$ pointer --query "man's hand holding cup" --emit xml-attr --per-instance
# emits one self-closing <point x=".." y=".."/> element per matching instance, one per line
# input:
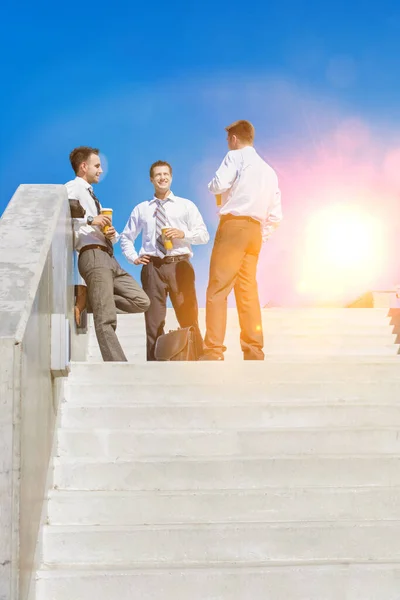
<point x="171" y="233"/>
<point x="101" y="221"/>
<point x="110" y="232"/>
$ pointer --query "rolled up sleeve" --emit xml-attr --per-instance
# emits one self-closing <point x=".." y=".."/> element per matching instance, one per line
<point x="196" y="232"/>
<point x="129" y="235"/>
<point x="225" y="176"/>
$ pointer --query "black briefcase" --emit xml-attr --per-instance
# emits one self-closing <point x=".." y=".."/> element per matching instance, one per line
<point x="176" y="345"/>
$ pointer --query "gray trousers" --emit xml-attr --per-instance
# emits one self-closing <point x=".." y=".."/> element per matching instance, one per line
<point x="109" y="288"/>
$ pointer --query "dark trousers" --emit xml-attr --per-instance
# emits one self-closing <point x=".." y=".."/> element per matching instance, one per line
<point x="234" y="265"/>
<point x="109" y="288"/>
<point x="177" y="279"/>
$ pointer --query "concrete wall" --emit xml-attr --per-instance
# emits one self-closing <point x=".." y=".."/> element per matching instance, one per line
<point x="36" y="280"/>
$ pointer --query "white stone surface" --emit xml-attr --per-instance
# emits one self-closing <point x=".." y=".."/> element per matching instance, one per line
<point x="275" y="370"/>
<point x="226" y="473"/>
<point x="360" y="387"/>
<point x="35" y="280"/>
<point x="363" y="503"/>
<point x="274" y="480"/>
<point x="298" y="582"/>
<point x="222" y="544"/>
<point x="131" y="444"/>
<point x="287" y="332"/>
<point x="263" y="411"/>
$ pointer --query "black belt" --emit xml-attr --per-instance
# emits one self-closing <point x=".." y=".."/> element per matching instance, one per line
<point x="168" y="259"/>
<point x="95" y="247"/>
<point x="242" y="217"/>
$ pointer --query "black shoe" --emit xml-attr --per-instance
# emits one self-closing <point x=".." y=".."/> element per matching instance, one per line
<point x="211" y="357"/>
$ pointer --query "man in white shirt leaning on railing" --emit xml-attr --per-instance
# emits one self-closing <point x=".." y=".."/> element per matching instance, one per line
<point x="170" y="225"/>
<point x="109" y="287"/>
<point x="246" y="188"/>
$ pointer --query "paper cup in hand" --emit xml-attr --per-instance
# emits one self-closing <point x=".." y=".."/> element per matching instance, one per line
<point x="168" y="245"/>
<point x="107" y="212"/>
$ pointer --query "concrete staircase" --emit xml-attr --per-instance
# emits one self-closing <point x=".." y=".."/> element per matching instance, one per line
<point x="274" y="480"/>
<point x="287" y="332"/>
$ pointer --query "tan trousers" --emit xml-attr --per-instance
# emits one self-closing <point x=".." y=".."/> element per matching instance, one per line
<point x="234" y="265"/>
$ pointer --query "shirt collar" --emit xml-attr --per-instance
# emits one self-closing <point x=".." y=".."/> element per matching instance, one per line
<point x="251" y="148"/>
<point x="170" y="196"/>
<point x="84" y="182"/>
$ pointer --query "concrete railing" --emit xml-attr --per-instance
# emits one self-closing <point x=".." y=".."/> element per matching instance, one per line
<point x="36" y="305"/>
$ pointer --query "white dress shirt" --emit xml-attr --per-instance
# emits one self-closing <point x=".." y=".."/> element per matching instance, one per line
<point x="249" y="187"/>
<point x="181" y="214"/>
<point x="84" y="234"/>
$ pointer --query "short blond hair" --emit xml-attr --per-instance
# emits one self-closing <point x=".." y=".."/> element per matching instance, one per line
<point x="243" y="130"/>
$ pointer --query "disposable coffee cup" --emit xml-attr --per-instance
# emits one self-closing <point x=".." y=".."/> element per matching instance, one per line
<point x="107" y="212"/>
<point x="168" y="245"/>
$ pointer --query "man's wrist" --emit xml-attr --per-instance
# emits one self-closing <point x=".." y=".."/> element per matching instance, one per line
<point x="89" y="220"/>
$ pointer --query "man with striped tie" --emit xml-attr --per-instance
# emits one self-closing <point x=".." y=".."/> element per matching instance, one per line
<point x="169" y="226"/>
<point x="109" y="288"/>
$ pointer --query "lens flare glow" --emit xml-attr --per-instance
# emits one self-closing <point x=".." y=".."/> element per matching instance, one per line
<point x="344" y="252"/>
<point x="104" y="166"/>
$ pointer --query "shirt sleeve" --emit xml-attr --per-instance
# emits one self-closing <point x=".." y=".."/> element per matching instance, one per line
<point x="274" y="216"/>
<point x="225" y="176"/>
<point x="195" y="230"/>
<point x="129" y="235"/>
<point x="74" y="194"/>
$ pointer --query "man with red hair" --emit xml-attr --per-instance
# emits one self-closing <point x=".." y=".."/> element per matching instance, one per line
<point x="250" y="210"/>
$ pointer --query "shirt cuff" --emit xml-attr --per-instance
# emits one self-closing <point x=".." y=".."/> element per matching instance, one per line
<point x="131" y="257"/>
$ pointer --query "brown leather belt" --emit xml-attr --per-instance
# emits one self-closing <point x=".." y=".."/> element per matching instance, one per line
<point x="95" y="247"/>
<point x="168" y="259"/>
<point x="242" y="217"/>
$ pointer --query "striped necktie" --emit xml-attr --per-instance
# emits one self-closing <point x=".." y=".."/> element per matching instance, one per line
<point x="161" y="221"/>
<point x="98" y="208"/>
<point x="96" y="200"/>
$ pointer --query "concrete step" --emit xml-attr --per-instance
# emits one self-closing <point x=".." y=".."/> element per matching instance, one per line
<point x="125" y="444"/>
<point x="289" y="346"/>
<point x="234" y="354"/>
<point x="205" y="544"/>
<point x="226" y="473"/>
<point x="137" y="356"/>
<point x="272" y="340"/>
<point x="164" y="396"/>
<point x="127" y="328"/>
<point x="275" y="330"/>
<point x="327" y="369"/>
<point x="296" y="582"/>
<point x="380" y="315"/>
<point x="219" y="506"/>
<point x="275" y="415"/>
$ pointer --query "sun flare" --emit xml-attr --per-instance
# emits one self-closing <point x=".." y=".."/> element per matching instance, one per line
<point x="344" y="250"/>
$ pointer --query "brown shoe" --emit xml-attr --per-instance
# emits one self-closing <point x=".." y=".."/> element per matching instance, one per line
<point x="80" y="303"/>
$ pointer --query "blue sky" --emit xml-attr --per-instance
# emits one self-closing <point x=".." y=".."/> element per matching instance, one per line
<point x="157" y="80"/>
